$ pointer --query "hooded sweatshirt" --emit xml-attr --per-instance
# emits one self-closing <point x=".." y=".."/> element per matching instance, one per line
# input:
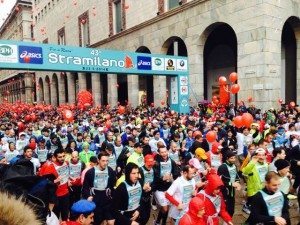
<point x="191" y="218"/>
<point x="214" y="205"/>
<point x="121" y="198"/>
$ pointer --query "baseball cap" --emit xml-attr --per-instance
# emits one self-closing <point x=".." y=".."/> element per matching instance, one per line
<point x="260" y="151"/>
<point x="83" y="207"/>
<point x="195" y="163"/>
<point x="200" y="152"/>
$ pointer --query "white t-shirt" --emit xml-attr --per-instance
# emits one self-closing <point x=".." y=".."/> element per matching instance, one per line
<point x="182" y="191"/>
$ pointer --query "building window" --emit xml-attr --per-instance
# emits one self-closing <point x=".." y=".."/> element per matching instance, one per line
<point x="173" y="4"/>
<point x="118" y="16"/>
<point x="61" y="36"/>
<point x="84" y="32"/>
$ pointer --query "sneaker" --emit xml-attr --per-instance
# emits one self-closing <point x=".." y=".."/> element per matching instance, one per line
<point x="246" y="209"/>
<point x="291" y="197"/>
<point x="154" y="207"/>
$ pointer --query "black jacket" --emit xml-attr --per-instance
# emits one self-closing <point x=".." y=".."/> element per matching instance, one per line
<point x="100" y="197"/>
<point x="259" y="211"/>
<point x="198" y="144"/>
<point x="120" y="203"/>
<point x="161" y="185"/>
<point x="227" y="189"/>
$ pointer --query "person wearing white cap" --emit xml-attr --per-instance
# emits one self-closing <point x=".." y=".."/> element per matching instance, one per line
<point x="99" y="138"/>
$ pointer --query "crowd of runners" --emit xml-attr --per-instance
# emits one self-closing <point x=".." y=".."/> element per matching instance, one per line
<point x="112" y="166"/>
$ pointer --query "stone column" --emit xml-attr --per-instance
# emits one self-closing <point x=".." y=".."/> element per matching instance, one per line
<point x="47" y="92"/>
<point x="112" y="95"/>
<point x="22" y="90"/>
<point x="61" y="90"/>
<point x="53" y="94"/>
<point x="297" y="34"/>
<point x="160" y="90"/>
<point x="82" y="81"/>
<point x="96" y="83"/>
<point x="133" y="90"/>
<point x="28" y="87"/>
<point x="71" y="88"/>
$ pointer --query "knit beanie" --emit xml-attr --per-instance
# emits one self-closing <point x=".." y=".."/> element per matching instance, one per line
<point x="281" y="164"/>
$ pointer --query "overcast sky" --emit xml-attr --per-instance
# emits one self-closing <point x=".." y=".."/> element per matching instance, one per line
<point x="5" y="8"/>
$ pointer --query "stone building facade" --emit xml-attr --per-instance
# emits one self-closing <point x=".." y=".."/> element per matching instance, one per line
<point x="259" y="39"/>
<point x="16" y="85"/>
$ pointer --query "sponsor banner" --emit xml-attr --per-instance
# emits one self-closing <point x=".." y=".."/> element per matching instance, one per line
<point x="181" y="65"/>
<point x="184" y="90"/>
<point x="144" y="63"/>
<point x="183" y="80"/>
<point x="158" y="63"/>
<point x="170" y="64"/>
<point x="48" y="57"/>
<point x="174" y="90"/>
<point x="35" y="54"/>
<point x="8" y="53"/>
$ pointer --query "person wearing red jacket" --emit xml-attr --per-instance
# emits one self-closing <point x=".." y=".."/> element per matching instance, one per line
<point x="213" y="200"/>
<point x="215" y="156"/>
<point x="194" y="216"/>
<point x="60" y="169"/>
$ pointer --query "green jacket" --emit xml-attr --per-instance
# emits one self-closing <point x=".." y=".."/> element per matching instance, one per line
<point x="255" y="179"/>
<point x="85" y="156"/>
<point x="136" y="158"/>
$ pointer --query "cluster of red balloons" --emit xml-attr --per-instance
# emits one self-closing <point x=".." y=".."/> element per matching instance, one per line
<point x="244" y="120"/>
<point x="84" y="99"/>
<point x="235" y="88"/>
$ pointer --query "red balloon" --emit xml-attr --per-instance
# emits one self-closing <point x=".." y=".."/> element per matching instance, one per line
<point x="21" y="126"/>
<point x="32" y="145"/>
<point x="27" y="118"/>
<point x="33" y="117"/>
<point x="238" y="121"/>
<point x="222" y="80"/>
<point x="247" y="119"/>
<point x="233" y="77"/>
<point x="280" y="101"/>
<point x="250" y="99"/>
<point x="27" y="59"/>
<point x="216" y="101"/>
<point x="68" y="115"/>
<point x="108" y="124"/>
<point x="235" y="88"/>
<point x="211" y="136"/>
<point x="292" y="104"/>
<point x="197" y="132"/>
<point x="121" y="110"/>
